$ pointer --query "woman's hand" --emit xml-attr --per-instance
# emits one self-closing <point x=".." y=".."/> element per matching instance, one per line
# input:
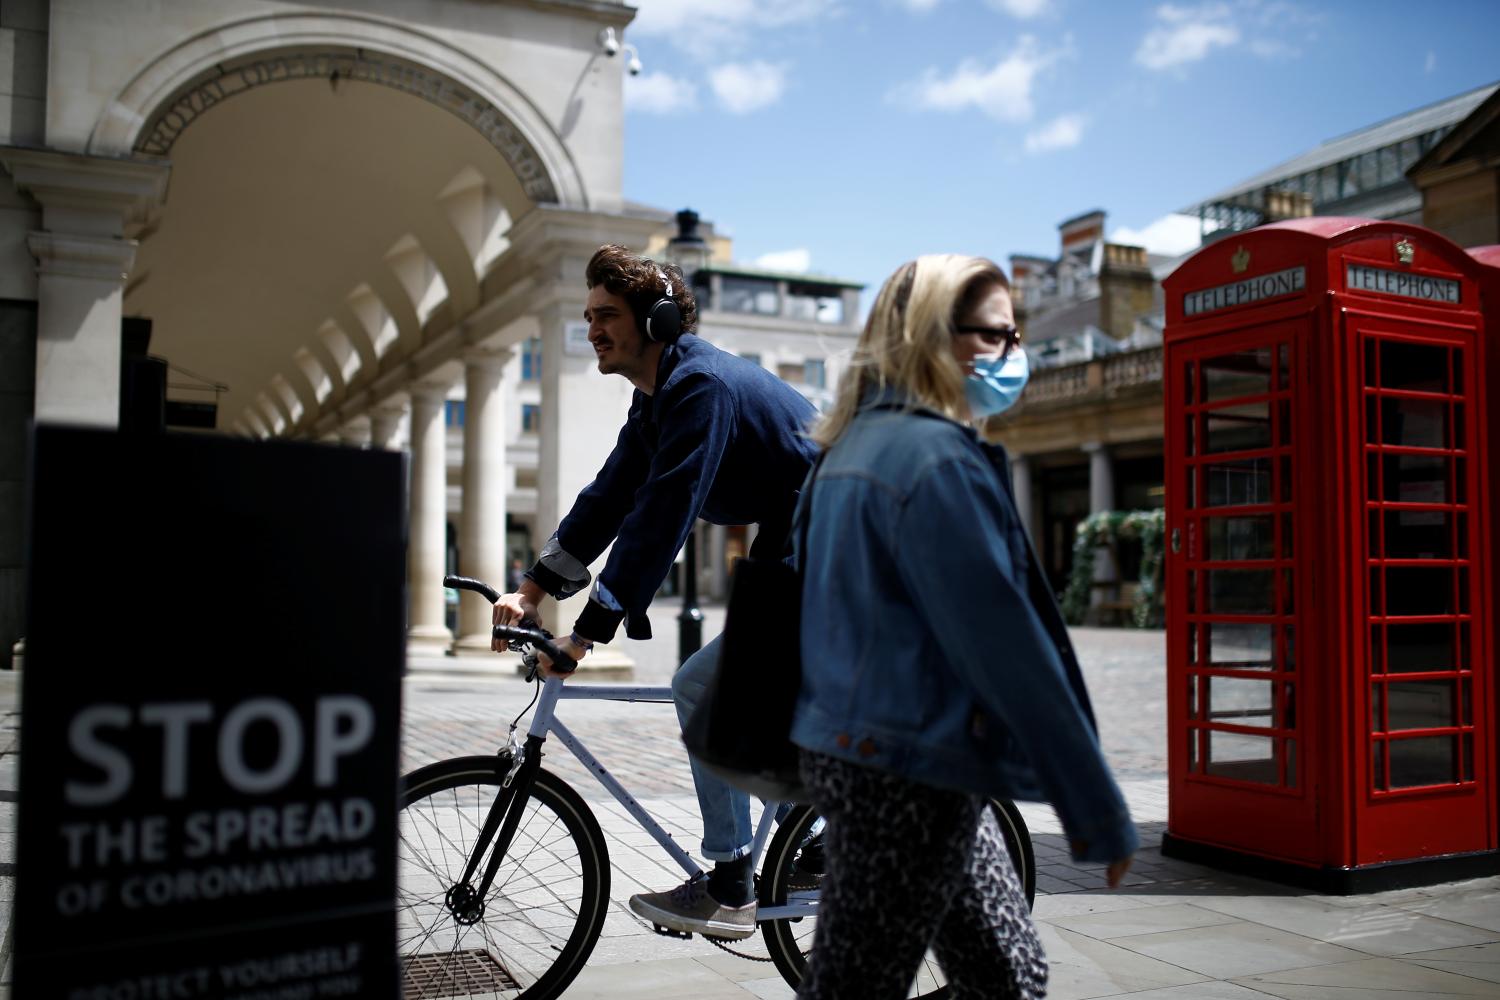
<point x="1116" y="871"/>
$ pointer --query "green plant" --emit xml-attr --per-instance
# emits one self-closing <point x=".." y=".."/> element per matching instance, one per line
<point x="1106" y="528"/>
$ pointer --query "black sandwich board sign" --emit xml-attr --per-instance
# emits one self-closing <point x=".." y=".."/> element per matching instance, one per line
<point x="209" y="719"/>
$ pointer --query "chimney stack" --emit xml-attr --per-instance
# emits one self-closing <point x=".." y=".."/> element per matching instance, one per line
<point x="1126" y="289"/>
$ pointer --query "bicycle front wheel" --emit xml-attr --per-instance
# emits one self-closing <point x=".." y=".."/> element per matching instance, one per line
<point x="535" y="928"/>
<point x="790" y="941"/>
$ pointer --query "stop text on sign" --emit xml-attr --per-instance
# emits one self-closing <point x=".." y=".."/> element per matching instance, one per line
<point x="343" y="726"/>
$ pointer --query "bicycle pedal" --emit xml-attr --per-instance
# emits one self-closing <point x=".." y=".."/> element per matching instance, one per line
<point x="671" y="932"/>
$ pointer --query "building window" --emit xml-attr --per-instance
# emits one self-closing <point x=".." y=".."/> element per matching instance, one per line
<point x="749" y="295"/>
<point x="531" y="418"/>
<point x="814" y="303"/>
<point x="813" y="373"/>
<point x="790" y="371"/>
<point x="754" y="359"/>
<point x="453" y="413"/>
<point x="531" y="360"/>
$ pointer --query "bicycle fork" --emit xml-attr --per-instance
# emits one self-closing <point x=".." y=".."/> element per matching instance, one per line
<point x="464" y="900"/>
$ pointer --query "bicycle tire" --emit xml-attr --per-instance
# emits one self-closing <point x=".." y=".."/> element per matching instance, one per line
<point x="544" y="911"/>
<point x="790" y="941"/>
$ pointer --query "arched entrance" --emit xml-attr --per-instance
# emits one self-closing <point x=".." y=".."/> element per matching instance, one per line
<point x="343" y="219"/>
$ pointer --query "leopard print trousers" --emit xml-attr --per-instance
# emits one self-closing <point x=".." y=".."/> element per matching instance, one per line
<point x="912" y="866"/>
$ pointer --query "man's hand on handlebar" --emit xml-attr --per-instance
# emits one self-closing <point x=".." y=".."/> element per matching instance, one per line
<point x="514" y="608"/>
<point x="568" y="648"/>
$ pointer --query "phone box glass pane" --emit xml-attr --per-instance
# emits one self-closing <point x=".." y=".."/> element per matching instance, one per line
<point x="1242" y="646"/>
<point x="1242" y="757"/>
<point x="1239" y="701"/>
<point x="1423" y="760"/>
<point x="1240" y="592"/>
<point x="1237" y="538"/>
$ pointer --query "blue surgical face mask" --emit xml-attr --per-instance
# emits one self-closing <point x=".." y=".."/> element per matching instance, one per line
<point x="996" y="383"/>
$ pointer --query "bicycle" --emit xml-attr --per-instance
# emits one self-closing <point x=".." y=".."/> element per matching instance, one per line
<point x="501" y="844"/>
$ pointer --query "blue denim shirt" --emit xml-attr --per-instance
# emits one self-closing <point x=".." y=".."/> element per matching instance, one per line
<point x="931" y="644"/>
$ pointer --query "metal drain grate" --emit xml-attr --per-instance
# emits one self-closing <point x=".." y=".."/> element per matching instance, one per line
<point x="455" y="974"/>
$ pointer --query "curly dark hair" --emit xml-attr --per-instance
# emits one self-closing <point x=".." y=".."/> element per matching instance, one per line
<point x="638" y="280"/>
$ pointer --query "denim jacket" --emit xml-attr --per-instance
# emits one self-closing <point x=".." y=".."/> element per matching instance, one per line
<point x="931" y="644"/>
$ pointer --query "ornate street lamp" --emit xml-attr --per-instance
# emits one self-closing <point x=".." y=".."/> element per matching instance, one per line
<point x="688" y="251"/>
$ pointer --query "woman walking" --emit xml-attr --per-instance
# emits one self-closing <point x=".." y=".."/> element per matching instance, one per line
<point x="938" y="669"/>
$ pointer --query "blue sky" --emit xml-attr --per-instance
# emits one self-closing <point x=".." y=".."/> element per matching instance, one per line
<point x="846" y="136"/>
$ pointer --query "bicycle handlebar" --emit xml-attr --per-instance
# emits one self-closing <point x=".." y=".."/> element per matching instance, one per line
<point x="469" y="583"/>
<point x="536" y="638"/>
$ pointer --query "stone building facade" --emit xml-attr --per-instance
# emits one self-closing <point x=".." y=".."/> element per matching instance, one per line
<point x="341" y="218"/>
<point x="1088" y="434"/>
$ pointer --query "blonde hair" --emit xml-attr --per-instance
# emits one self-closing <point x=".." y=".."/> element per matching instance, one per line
<point x="907" y="340"/>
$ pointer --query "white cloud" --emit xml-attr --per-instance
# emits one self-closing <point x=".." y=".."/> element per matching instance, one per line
<point x="919" y="6"/>
<point x="745" y="87"/>
<point x="1185" y="35"/>
<point x="706" y="29"/>
<point x="1171" y="235"/>
<point x="659" y="94"/>
<point x="1268" y="29"/>
<point x="1002" y="91"/>
<point x="1063" y="132"/>
<point x="1022" y="9"/>
<point x="797" y="260"/>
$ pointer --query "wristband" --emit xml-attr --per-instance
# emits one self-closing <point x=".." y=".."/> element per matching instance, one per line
<point x="584" y="644"/>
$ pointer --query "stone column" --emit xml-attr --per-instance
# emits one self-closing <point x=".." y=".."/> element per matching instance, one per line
<point x="427" y="634"/>
<point x="1020" y="476"/>
<point x="385" y="422"/>
<point x="1101" y="498"/>
<point x="356" y="433"/>
<point x="82" y="262"/>
<point x="482" y="530"/>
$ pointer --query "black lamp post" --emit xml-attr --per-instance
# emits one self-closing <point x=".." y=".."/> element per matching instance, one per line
<point x="690" y="621"/>
<point x="688" y="251"/>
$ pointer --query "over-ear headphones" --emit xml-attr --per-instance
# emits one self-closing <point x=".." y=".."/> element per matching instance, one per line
<point x="663" y="318"/>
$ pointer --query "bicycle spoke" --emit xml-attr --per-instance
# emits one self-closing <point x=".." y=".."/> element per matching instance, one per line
<point x="542" y="910"/>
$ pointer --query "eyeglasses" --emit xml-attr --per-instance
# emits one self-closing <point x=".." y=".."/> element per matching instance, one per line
<point x="1007" y="334"/>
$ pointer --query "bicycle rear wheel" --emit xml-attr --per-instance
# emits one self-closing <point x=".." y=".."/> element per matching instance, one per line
<point x="790" y="941"/>
<point x="542" y="915"/>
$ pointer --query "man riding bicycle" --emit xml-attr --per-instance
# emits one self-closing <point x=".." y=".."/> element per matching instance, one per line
<point x="708" y="435"/>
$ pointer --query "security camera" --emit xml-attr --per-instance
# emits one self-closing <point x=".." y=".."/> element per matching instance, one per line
<point x="634" y="65"/>
<point x="608" y="42"/>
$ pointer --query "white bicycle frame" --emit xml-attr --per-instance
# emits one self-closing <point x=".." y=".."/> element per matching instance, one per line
<point x="544" y="722"/>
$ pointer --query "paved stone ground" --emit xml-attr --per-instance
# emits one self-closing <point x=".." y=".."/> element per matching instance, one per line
<point x="1174" y="930"/>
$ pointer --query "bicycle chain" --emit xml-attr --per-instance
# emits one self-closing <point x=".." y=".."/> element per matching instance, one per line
<point x="720" y="943"/>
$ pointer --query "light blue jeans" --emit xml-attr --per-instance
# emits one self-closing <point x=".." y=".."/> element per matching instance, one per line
<point x="726" y="811"/>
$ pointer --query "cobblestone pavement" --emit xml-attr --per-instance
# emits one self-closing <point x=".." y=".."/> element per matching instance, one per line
<point x="452" y="713"/>
<point x="1174" y="930"/>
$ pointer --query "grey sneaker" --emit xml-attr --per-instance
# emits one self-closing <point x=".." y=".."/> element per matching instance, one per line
<point x="689" y="909"/>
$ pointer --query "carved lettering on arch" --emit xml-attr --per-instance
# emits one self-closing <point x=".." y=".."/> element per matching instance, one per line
<point x="337" y="67"/>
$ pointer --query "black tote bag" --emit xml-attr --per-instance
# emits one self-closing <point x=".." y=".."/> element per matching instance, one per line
<point x="740" y="730"/>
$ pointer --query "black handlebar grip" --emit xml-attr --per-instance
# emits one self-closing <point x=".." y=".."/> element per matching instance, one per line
<point x="469" y="583"/>
<point x="538" y="640"/>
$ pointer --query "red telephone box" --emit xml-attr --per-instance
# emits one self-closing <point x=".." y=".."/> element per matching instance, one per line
<point x="1330" y="704"/>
